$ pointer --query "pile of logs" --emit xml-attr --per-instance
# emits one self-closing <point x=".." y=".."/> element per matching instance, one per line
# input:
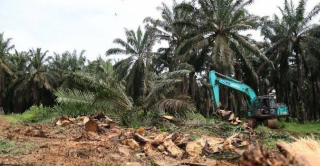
<point x="177" y="145"/>
<point x="229" y="116"/>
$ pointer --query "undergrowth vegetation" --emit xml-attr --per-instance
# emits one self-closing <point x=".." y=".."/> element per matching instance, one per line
<point x="194" y="124"/>
<point x="309" y="128"/>
<point x="15" y="148"/>
<point x="270" y="137"/>
<point x="34" y="114"/>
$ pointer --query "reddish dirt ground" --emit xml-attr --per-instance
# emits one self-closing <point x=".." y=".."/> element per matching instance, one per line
<point x="72" y="145"/>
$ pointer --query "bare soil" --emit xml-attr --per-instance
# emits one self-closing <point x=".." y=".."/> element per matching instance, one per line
<point x="49" y="144"/>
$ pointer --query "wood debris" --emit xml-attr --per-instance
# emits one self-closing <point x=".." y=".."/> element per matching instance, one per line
<point x="100" y="116"/>
<point x="168" y="117"/>
<point x="305" y="151"/>
<point x="257" y="155"/>
<point x="194" y="148"/>
<point x="63" y="121"/>
<point x="173" y="149"/>
<point x="154" y="143"/>
<point x="159" y="139"/>
<point x="229" y="116"/>
<point x="131" y="143"/>
<point x="90" y="125"/>
<point x="140" y="131"/>
<point x="139" y="138"/>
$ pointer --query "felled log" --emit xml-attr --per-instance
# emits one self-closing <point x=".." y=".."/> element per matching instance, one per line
<point x="305" y="151"/>
<point x="182" y="139"/>
<point x="236" y="121"/>
<point x="137" y="137"/>
<point x="159" y="139"/>
<point x="168" y="117"/>
<point x="257" y="155"/>
<point x="173" y="149"/>
<point x="229" y="116"/>
<point x="214" y="144"/>
<point x="91" y="125"/>
<point x="225" y="115"/>
<point x="100" y="116"/>
<point x="171" y="119"/>
<point x="63" y="121"/>
<point x="131" y="143"/>
<point x="140" y="131"/>
<point x="194" y="148"/>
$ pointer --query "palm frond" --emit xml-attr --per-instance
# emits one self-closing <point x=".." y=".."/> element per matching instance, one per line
<point x="74" y="96"/>
<point x="112" y="51"/>
<point x="122" y="67"/>
<point x="300" y="10"/>
<point x="185" y="66"/>
<point x="112" y="98"/>
<point x="311" y="14"/>
<point x="178" y="106"/>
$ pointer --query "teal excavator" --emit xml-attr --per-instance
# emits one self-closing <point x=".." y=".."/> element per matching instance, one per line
<point x="261" y="109"/>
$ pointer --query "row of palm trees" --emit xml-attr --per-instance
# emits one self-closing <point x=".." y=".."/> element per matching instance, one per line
<point x="30" y="77"/>
<point x="208" y="35"/>
<point x="202" y="35"/>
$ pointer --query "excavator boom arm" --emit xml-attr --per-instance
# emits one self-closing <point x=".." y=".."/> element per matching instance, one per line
<point x="215" y="81"/>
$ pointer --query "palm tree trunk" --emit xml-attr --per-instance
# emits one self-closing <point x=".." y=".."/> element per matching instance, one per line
<point x="318" y="96"/>
<point x="208" y="104"/>
<point x="192" y="84"/>
<point x="35" y="94"/>
<point x="314" y="101"/>
<point x="294" y="102"/>
<point x="1" y="85"/>
<point x="299" y="75"/>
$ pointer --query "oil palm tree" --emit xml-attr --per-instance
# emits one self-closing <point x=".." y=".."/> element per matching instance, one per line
<point x="290" y="38"/>
<point x="219" y="25"/>
<point x="6" y="68"/>
<point x="169" y="92"/>
<point x="134" y="69"/>
<point x="166" y="29"/>
<point x="101" y="68"/>
<point x="68" y="61"/>
<point x="95" y="89"/>
<point x="38" y="81"/>
<point x="17" y="101"/>
<point x="65" y="64"/>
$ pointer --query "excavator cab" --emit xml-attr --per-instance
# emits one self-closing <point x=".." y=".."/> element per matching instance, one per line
<point x="265" y="107"/>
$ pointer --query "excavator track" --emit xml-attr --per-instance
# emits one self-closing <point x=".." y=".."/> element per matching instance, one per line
<point x="272" y="123"/>
<point x="252" y="123"/>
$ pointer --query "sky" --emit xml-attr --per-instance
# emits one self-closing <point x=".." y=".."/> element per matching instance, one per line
<point x="67" y="25"/>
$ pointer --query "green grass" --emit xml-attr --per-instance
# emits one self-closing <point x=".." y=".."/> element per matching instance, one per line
<point x="15" y="148"/>
<point x="270" y="137"/>
<point x="34" y="114"/>
<point x="13" y="118"/>
<point x="303" y="129"/>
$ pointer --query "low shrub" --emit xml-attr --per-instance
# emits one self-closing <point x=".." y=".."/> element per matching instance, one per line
<point x="136" y="118"/>
<point x="37" y="114"/>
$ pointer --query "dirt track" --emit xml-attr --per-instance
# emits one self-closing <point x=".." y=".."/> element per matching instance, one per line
<point x="72" y="145"/>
